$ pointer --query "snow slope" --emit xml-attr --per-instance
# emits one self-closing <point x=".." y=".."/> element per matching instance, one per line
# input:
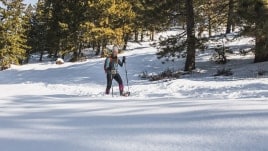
<point x="49" y="107"/>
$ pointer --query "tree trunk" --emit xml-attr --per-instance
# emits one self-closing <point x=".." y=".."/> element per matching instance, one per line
<point x="136" y="35"/>
<point x="152" y="35"/>
<point x="98" y="48"/>
<point x="103" y="45"/>
<point x="41" y="56"/>
<point x="230" y="16"/>
<point x="142" y="35"/>
<point x="261" y="52"/>
<point x="209" y="27"/>
<point x="28" y="57"/>
<point x="80" y="47"/>
<point x="190" y="59"/>
<point x="126" y="38"/>
<point x="261" y="48"/>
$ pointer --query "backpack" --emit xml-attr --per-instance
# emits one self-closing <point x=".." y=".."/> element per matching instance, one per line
<point x="105" y="63"/>
<point x="108" y="62"/>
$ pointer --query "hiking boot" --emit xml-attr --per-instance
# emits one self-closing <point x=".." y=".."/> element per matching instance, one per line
<point x="107" y="92"/>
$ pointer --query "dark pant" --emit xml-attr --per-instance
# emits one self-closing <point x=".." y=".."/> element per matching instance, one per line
<point x="117" y="78"/>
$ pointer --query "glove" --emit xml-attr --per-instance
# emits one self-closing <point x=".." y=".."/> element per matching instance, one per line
<point x="124" y="59"/>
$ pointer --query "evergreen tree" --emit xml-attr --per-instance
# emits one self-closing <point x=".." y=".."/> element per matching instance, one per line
<point x="72" y="13"/>
<point x="54" y="31"/>
<point x="67" y="27"/>
<point x="231" y="16"/>
<point x="38" y="34"/>
<point x="28" y="16"/>
<point x="153" y="16"/>
<point x="211" y="15"/>
<point x="255" y="15"/>
<point x="108" y="21"/>
<point x="122" y="21"/>
<point x="13" y="41"/>
<point x="175" y="46"/>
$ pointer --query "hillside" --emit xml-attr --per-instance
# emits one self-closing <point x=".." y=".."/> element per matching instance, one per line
<point x="45" y="106"/>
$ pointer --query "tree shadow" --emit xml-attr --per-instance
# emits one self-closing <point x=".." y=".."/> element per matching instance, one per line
<point x="68" y="123"/>
<point x="78" y="73"/>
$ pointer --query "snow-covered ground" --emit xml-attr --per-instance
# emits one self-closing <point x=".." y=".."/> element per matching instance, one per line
<point x="50" y="107"/>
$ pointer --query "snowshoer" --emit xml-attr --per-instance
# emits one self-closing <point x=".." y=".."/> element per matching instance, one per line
<point x="111" y="69"/>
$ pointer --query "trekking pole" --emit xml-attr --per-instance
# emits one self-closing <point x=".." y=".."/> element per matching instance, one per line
<point x="126" y="76"/>
<point x="112" y="85"/>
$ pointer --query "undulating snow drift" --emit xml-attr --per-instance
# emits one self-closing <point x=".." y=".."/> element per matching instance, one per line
<point x="49" y="107"/>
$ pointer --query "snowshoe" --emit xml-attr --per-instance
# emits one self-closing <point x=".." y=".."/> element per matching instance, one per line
<point x="125" y="94"/>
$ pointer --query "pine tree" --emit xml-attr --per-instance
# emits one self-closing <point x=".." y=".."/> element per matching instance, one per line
<point x="255" y="15"/>
<point x="231" y="14"/>
<point x="70" y="26"/>
<point x="71" y="41"/>
<point x="175" y="46"/>
<point x="108" y="21"/>
<point x="29" y="12"/>
<point x="211" y="15"/>
<point x="13" y="40"/>
<point x="38" y="33"/>
<point x="122" y="17"/>
<point x="153" y="16"/>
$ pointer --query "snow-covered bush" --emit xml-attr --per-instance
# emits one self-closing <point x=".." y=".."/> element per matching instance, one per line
<point x="59" y="61"/>
<point x="224" y="72"/>
<point x="219" y="56"/>
<point x="167" y="74"/>
<point x="261" y="72"/>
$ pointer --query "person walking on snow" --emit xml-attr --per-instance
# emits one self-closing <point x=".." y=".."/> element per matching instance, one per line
<point x="111" y="69"/>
